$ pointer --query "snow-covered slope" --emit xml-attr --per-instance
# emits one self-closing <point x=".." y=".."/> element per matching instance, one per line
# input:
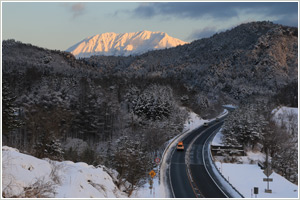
<point x="123" y="44"/>
<point x="26" y="176"/>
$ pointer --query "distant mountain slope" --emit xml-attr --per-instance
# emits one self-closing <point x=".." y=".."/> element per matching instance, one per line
<point x="256" y="58"/>
<point x="123" y="44"/>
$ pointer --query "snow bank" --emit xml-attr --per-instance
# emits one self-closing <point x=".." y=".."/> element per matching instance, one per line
<point x="157" y="190"/>
<point x="217" y="140"/>
<point x="193" y="122"/>
<point x="244" y="177"/>
<point x="20" y="170"/>
<point x="64" y="179"/>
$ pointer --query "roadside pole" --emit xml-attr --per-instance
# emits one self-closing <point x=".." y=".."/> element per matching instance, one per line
<point x="268" y="171"/>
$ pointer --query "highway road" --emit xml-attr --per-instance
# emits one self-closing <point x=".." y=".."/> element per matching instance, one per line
<point x="193" y="180"/>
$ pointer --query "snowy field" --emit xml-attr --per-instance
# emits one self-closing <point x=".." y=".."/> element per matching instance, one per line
<point x="22" y="173"/>
<point x="244" y="177"/>
<point x="218" y="139"/>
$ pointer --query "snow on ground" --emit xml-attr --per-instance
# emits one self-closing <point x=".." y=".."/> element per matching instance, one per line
<point x="248" y="175"/>
<point x="218" y="139"/>
<point x="193" y="121"/>
<point x="157" y="190"/>
<point x="244" y="177"/>
<point x="229" y="106"/>
<point x="65" y="179"/>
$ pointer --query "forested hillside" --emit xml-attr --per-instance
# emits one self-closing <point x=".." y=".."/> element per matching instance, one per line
<point x="57" y="107"/>
<point x="255" y="58"/>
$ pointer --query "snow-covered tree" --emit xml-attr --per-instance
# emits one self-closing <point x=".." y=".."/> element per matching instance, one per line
<point x="155" y="103"/>
<point x="132" y="162"/>
<point x="285" y="157"/>
<point x="245" y="126"/>
<point x="10" y="119"/>
<point x="47" y="146"/>
<point x="283" y="145"/>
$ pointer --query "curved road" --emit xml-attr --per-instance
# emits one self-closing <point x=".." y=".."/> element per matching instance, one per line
<point x="198" y="183"/>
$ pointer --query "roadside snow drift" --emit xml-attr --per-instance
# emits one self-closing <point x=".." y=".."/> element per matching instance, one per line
<point x="244" y="177"/>
<point x="26" y="176"/>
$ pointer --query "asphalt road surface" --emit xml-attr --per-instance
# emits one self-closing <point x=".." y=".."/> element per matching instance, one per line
<point x="198" y="183"/>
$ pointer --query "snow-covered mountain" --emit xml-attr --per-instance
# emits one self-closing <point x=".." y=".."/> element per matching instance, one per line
<point x="123" y="44"/>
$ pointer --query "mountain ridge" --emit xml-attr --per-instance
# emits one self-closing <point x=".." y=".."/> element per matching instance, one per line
<point x="123" y="44"/>
<point x="256" y="58"/>
<point x="251" y="59"/>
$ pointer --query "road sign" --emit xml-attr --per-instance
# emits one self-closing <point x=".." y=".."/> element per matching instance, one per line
<point x="268" y="191"/>
<point x="268" y="171"/>
<point x="157" y="160"/>
<point x="152" y="173"/>
<point x="268" y="179"/>
<point x="255" y="190"/>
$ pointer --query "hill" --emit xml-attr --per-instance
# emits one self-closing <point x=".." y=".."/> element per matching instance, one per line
<point x="255" y="58"/>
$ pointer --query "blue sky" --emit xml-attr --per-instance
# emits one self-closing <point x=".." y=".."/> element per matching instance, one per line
<point x="59" y="25"/>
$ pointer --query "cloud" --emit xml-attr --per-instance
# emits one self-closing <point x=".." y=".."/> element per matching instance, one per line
<point x="76" y="9"/>
<point x="146" y="10"/>
<point x="203" y="33"/>
<point x="215" y="10"/>
<point x="186" y="10"/>
<point x="289" y="21"/>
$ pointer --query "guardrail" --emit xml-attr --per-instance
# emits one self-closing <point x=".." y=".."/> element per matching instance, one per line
<point x="214" y="165"/>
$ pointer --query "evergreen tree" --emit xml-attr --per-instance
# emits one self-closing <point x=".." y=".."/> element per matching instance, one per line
<point x="48" y="147"/>
<point x="245" y="126"/>
<point x="155" y="103"/>
<point x="10" y="119"/>
<point x="132" y="162"/>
